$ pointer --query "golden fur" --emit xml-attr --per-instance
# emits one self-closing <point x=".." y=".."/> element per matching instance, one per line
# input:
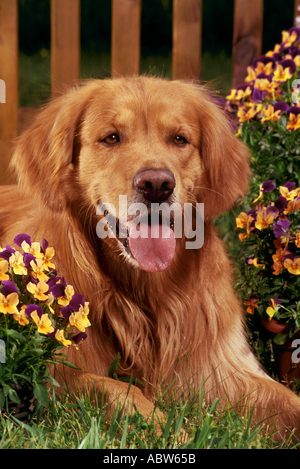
<point x="177" y="324"/>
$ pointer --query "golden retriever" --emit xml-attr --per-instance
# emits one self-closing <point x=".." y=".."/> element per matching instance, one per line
<point x="168" y="308"/>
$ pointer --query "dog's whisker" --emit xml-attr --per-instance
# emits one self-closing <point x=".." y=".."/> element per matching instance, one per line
<point x="209" y="189"/>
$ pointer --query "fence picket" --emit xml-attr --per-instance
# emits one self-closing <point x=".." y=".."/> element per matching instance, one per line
<point x="65" y="44"/>
<point x="247" y="37"/>
<point x="187" y="23"/>
<point x="126" y="33"/>
<point x="9" y="74"/>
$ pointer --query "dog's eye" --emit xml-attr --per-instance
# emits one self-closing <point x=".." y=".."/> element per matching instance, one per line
<point x="112" y="139"/>
<point x="179" y="140"/>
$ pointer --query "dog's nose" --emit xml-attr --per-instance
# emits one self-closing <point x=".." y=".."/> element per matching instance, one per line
<point x="156" y="185"/>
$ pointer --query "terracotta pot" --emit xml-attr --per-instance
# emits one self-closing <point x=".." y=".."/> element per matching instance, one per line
<point x="287" y="369"/>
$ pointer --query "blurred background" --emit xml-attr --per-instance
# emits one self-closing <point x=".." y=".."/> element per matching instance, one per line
<point x="156" y="41"/>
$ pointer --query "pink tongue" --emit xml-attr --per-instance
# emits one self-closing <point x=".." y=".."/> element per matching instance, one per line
<point x="153" y="254"/>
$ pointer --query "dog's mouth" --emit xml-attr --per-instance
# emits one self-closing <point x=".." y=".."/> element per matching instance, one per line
<point x="150" y="241"/>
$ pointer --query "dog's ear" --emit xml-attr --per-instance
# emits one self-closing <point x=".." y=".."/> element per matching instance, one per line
<point x="225" y="159"/>
<point x="45" y="154"/>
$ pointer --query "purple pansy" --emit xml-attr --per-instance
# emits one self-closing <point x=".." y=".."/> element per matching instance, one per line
<point x="289" y="63"/>
<point x="258" y="96"/>
<point x="31" y="308"/>
<point x="281" y="203"/>
<point x="281" y="106"/>
<point x="268" y="186"/>
<point x="294" y="110"/>
<point x="28" y="258"/>
<point x="79" y="337"/>
<point x="8" y="288"/>
<point x="290" y="185"/>
<point x="74" y="305"/>
<point x="7" y="252"/>
<point x="22" y="237"/>
<point x="281" y="227"/>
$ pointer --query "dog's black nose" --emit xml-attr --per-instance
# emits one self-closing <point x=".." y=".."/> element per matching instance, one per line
<point x="156" y="185"/>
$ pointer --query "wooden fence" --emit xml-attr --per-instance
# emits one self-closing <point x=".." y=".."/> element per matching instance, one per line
<point x="126" y="31"/>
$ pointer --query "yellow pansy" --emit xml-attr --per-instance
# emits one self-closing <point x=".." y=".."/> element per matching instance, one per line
<point x="39" y="290"/>
<point x="3" y="270"/>
<point x="8" y="304"/>
<point x="44" y="323"/>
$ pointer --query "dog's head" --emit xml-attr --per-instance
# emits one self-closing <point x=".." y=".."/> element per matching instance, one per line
<point x="148" y="140"/>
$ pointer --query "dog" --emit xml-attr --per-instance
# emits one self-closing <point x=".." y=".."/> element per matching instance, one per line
<point x="166" y="306"/>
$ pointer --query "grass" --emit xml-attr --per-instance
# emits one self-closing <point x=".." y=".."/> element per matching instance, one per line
<point x="74" y="422"/>
<point x="35" y="73"/>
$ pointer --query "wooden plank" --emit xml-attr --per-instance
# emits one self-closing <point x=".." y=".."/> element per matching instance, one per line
<point x="297" y="14"/>
<point x="187" y="26"/>
<point x="65" y="44"/>
<point x="126" y="37"/>
<point x="9" y="74"/>
<point x="247" y="37"/>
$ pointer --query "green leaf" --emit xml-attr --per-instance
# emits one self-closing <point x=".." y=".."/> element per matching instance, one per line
<point x="280" y="339"/>
<point x="113" y="367"/>
<point x="41" y="394"/>
<point x="62" y="362"/>
<point x="16" y="335"/>
<point x="13" y="396"/>
<point x="2" y="399"/>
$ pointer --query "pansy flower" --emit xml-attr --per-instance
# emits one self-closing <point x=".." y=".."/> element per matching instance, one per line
<point x="284" y="71"/>
<point x="254" y="261"/>
<point x="59" y="335"/>
<point x="251" y="303"/>
<point x="7" y="252"/>
<point x="24" y="241"/>
<point x="275" y="52"/>
<point x="281" y="204"/>
<point x="292" y="206"/>
<point x="248" y="111"/>
<point x="265" y="83"/>
<point x="3" y="270"/>
<point x="288" y="190"/>
<point x="258" y="96"/>
<point x="39" y="290"/>
<point x="264" y="64"/>
<point x="265" y="187"/>
<point x="297" y="240"/>
<point x="251" y="74"/>
<point x="80" y="319"/>
<point x="244" y="220"/>
<point x="43" y="322"/>
<point x="265" y="217"/>
<point x="16" y="261"/>
<point x="278" y="257"/>
<point x="274" y="112"/>
<point x="290" y="36"/>
<point x="9" y="298"/>
<point x="65" y="299"/>
<point x="272" y="310"/>
<point x="281" y="227"/>
<point x="292" y="264"/>
<point x="37" y="270"/>
<point x="21" y="317"/>
<point x="78" y="338"/>
<point x="294" y="118"/>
